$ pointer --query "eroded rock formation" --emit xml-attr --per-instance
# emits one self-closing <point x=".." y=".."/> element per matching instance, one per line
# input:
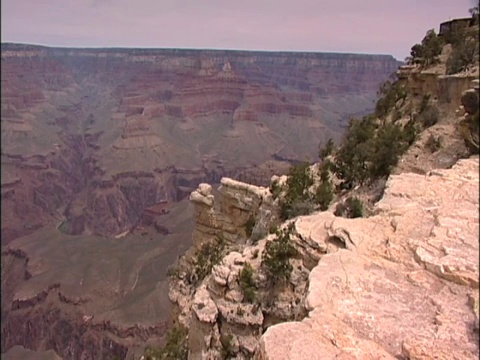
<point x="400" y="283"/>
<point x="217" y="308"/>
<point x="84" y="130"/>
<point x="406" y="286"/>
<point x="403" y="282"/>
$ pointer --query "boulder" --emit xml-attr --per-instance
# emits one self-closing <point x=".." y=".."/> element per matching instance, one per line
<point x="204" y="307"/>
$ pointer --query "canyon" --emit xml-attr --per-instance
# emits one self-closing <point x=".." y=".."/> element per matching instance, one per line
<point x="100" y="150"/>
<point x="109" y="132"/>
<point x="395" y="279"/>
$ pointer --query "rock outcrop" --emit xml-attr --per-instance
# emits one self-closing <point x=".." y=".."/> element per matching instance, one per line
<point x="216" y="307"/>
<point x="407" y="282"/>
<point x="238" y="202"/>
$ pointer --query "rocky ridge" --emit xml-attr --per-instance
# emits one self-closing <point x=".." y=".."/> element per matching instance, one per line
<point x="216" y="305"/>
<point x="405" y="286"/>
<point x="401" y="283"/>
<point x="383" y="286"/>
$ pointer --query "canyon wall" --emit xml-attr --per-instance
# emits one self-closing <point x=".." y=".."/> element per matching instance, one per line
<point x="407" y="286"/>
<point x="102" y="134"/>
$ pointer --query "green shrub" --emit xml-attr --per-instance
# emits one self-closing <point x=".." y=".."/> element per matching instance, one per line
<point x="298" y="182"/>
<point x="324" y="195"/>
<point x="297" y="200"/>
<point x="273" y="229"/>
<point x="292" y="208"/>
<point x="275" y="189"/>
<point x="427" y="52"/>
<point x="410" y="133"/>
<point x="387" y="146"/>
<point x="247" y="283"/>
<point x="207" y="257"/>
<point x="176" y="347"/>
<point x="324" y="170"/>
<point x="470" y="102"/>
<point x="352" y="158"/>
<point x="327" y="150"/>
<point x="389" y="94"/>
<point x="351" y="208"/>
<point x="277" y="255"/>
<point x="370" y="151"/>
<point x="464" y="48"/>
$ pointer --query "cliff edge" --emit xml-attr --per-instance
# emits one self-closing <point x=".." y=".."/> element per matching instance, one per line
<point x="371" y="254"/>
<point x="409" y="285"/>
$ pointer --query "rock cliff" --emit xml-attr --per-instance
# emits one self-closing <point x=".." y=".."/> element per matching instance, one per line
<point x="216" y="306"/>
<point x="406" y="286"/>
<point x="383" y="287"/>
<point x="400" y="282"/>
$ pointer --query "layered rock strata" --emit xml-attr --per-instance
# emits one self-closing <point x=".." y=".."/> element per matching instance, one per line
<point x="84" y="130"/>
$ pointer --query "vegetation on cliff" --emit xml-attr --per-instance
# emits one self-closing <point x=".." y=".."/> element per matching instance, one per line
<point x="277" y="255"/>
<point x="462" y="39"/>
<point x="209" y="254"/>
<point x="351" y="208"/>
<point x="297" y="199"/>
<point x="370" y="150"/>
<point x="176" y="347"/>
<point x="427" y="52"/>
<point x="373" y="144"/>
<point x="247" y="283"/>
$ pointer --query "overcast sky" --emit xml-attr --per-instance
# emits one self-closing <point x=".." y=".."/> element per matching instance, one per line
<point x="361" y="26"/>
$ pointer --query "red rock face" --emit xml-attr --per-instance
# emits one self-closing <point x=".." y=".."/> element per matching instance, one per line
<point x="95" y="139"/>
<point x="119" y="103"/>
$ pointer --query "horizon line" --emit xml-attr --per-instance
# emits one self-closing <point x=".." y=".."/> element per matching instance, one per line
<point x="74" y="47"/>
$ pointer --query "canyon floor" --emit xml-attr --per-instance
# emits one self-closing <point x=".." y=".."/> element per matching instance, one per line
<point x="80" y="285"/>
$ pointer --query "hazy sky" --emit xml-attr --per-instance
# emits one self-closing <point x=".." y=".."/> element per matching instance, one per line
<point x="365" y="26"/>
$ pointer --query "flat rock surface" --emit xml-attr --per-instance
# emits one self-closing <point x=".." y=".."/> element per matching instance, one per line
<point x="406" y="286"/>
